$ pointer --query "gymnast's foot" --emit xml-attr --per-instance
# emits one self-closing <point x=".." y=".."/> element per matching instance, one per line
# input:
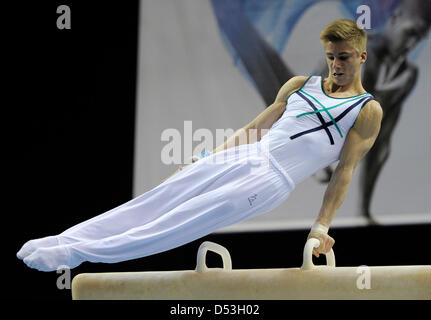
<point x="50" y="259"/>
<point x="30" y="246"/>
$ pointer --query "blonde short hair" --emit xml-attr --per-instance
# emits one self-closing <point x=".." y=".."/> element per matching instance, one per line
<point x="345" y="30"/>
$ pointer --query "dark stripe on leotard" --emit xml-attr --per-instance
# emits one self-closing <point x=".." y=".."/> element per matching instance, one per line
<point x="325" y="125"/>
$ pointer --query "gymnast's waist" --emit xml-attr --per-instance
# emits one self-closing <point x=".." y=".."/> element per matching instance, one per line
<point x="263" y="149"/>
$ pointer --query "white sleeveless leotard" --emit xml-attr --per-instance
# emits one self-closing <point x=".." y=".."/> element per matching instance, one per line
<point x="311" y="132"/>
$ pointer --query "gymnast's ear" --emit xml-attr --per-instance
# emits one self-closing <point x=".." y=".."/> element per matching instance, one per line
<point x="363" y="56"/>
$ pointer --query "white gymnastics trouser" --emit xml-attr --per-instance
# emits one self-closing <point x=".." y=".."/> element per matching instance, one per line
<point x="217" y="191"/>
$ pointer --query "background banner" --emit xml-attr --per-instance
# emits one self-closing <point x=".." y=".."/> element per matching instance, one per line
<point x="220" y="63"/>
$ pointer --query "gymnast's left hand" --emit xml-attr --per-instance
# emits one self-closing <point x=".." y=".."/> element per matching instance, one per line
<point x="326" y="242"/>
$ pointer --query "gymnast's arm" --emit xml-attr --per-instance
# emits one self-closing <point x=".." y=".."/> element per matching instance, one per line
<point x="256" y="129"/>
<point x="358" y="142"/>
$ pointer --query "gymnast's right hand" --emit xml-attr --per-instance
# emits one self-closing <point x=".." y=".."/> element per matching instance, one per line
<point x="320" y="232"/>
<point x="194" y="159"/>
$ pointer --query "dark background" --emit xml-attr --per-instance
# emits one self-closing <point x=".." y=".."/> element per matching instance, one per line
<point x="74" y="111"/>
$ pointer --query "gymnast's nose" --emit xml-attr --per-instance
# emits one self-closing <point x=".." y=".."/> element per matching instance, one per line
<point x="336" y="64"/>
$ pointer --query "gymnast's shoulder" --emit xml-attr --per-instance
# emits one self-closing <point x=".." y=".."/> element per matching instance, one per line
<point x="370" y="117"/>
<point x="289" y="87"/>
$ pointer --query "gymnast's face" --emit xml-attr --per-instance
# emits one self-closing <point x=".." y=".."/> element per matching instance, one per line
<point x="344" y="62"/>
